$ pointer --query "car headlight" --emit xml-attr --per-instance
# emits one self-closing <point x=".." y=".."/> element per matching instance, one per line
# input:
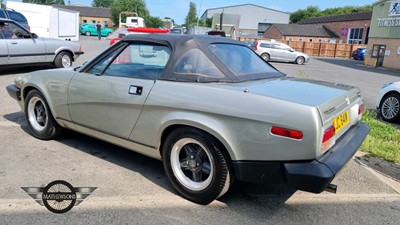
<point x="386" y="85"/>
<point x="21" y="80"/>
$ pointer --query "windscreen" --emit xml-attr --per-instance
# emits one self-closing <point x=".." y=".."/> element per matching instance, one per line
<point x="243" y="62"/>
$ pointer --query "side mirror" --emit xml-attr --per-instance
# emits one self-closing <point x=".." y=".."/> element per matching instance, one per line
<point x="291" y="50"/>
<point x="34" y="36"/>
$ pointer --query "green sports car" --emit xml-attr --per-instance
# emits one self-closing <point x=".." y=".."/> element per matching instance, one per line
<point x="209" y="107"/>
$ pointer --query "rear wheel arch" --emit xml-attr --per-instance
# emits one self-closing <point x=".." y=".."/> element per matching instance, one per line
<point x="168" y="130"/>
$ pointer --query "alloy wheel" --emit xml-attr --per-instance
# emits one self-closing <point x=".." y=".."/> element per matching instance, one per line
<point x="192" y="164"/>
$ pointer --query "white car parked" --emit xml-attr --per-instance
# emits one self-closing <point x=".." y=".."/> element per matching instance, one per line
<point x="388" y="102"/>
<point x="275" y="51"/>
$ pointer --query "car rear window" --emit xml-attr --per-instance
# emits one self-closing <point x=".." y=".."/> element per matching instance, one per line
<point x="17" y="17"/>
<point x="243" y="62"/>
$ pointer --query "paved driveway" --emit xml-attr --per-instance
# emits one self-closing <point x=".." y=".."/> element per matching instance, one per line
<point x="133" y="189"/>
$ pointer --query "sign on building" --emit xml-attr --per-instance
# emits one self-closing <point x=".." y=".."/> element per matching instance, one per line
<point x="394" y="9"/>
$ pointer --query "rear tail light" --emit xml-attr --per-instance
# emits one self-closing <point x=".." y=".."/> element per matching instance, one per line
<point x="255" y="46"/>
<point x="328" y="139"/>
<point x="287" y="133"/>
<point x="361" y="109"/>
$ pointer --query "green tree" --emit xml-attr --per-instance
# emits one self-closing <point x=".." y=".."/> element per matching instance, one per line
<point x="102" y="3"/>
<point x="191" y="18"/>
<point x="314" y="11"/>
<point x="155" y="22"/>
<point x="209" y="22"/>
<point x="45" y="2"/>
<point x="138" y="6"/>
<point x="301" y="14"/>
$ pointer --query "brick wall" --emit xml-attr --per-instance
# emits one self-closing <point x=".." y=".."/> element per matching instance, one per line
<point x="337" y="27"/>
<point x="389" y="61"/>
<point x="91" y="19"/>
<point x="273" y="33"/>
<point x="307" y="39"/>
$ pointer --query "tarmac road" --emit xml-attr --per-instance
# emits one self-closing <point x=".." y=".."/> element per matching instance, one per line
<point x="133" y="189"/>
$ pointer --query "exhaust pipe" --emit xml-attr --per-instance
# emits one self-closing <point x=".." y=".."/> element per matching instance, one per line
<point x="332" y="188"/>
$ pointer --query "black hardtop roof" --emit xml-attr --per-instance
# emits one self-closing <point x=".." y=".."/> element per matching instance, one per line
<point x="177" y="39"/>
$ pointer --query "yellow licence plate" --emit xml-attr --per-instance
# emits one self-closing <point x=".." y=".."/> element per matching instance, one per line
<point x="341" y="121"/>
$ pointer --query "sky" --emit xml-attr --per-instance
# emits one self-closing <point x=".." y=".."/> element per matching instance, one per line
<point x="178" y="9"/>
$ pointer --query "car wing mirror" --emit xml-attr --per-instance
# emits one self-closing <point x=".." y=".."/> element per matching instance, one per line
<point x="34" y="36"/>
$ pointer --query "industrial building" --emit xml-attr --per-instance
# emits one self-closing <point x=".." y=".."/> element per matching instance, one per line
<point x="254" y="19"/>
<point x="384" y="37"/>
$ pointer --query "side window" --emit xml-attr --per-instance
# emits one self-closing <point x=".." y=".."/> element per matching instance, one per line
<point x="194" y="62"/>
<point x="12" y="31"/>
<point x="101" y="65"/>
<point x="143" y="61"/>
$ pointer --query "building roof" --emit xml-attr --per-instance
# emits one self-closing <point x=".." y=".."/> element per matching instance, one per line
<point x="88" y="11"/>
<point x="309" y="30"/>
<point x="248" y="4"/>
<point x="338" y="18"/>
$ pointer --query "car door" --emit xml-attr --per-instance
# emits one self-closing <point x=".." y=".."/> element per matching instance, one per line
<point x="22" y="47"/>
<point x="109" y="96"/>
<point x="280" y="52"/>
<point x="3" y="50"/>
<point x="274" y="53"/>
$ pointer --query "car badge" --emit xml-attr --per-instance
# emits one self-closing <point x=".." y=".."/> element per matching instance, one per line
<point x="347" y="100"/>
<point x="329" y="111"/>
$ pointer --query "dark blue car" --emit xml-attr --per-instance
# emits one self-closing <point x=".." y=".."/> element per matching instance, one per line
<point x="359" y="53"/>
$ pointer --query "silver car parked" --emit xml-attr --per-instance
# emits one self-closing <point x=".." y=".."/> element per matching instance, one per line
<point x="275" y="51"/>
<point x="18" y="46"/>
<point x="210" y="108"/>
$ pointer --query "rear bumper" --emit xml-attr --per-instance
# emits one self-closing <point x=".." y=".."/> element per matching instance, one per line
<point x="312" y="176"/>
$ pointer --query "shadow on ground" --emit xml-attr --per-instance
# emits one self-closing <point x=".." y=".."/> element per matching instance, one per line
<point x="358" y="65"/>
<point x="150" y="168"/>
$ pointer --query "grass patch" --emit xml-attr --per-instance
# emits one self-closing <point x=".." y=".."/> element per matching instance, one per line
<point x="383" y="140"/>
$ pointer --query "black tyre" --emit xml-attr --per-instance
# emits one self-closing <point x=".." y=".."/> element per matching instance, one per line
<point x="63" y="60"/>
<point x="196" y="166"/>
<point x="265" y="56"/>
<point x="39" y="118"/>
<point x="300" y="60"/>
<point x="88" y="33"/>
<point x="389" y="108"/>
